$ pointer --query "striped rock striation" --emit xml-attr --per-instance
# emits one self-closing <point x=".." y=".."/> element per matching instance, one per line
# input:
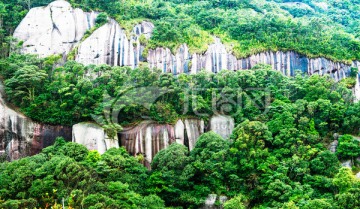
<point x="110" y="45"/>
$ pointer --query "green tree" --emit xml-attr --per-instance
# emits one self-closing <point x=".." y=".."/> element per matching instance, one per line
<point x="237" y="202"/>
<point x="344" y="179"/>
<point x="348" y="148"/>
<point x="26" y="82"/>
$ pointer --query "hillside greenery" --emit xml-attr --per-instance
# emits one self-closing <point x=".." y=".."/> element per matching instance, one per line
<point x="260" y="167"/>
<point x="277" y="155"/>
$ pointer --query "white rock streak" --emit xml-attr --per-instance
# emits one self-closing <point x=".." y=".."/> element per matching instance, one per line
<point x="110" y="45"/>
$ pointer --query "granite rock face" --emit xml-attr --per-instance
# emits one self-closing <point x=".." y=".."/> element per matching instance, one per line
<point x="217" y="58"/>
<point x="148" y="138"/>
<point x="346" y="164"/>
<point x="21" y="137"/>
<point x="333" y="146"/>
<point x="93" y="137"/>
<point x="210" y="202"/>
<point x="57" y="28"/>
<point x="54" y="29"/>
<point x="222" y="125"/>
<point x="110" y="45"/>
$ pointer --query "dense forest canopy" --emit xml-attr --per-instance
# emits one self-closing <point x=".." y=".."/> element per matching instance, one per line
<point x="277" y="155"/>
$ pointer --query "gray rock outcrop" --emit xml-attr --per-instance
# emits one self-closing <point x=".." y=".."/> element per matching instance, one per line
<point x="346" y="164"/>
<point x="21" y="137"/>
<point x="57" y="28"/>
<point x="93" y="137"/>
<point x="210" y="202"/>
<point x="333" y="146"/>
<point x="222" y="125"/>
<point x="54" y="29"/>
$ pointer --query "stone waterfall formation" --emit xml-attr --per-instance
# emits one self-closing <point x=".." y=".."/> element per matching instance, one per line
<point x="148" y="138"/>
<point x="109" y="44"/>
<point x="21" y="137"/>
<point x="54" y="29"/>
<point x="217" y="58"/>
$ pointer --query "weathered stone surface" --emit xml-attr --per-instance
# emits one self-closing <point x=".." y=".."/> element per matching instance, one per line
<point x="58" y="27"/>
<point x="217" y="58"/>
<point x="346" y="164"/>
<point x="193" y="129"/>
<point x="93" y="137"/>
<point x="53" y="29"/>
<point x="148" y="138"/>
<point x="110" y="45"/>
<point x="21" y="137"/>
<point x="333" y="146"/>
<point x="222" y="125"/>
<point x="210" y="202"/>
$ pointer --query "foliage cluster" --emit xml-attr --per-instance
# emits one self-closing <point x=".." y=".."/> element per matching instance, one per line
<point x="82" y="178"/>
<point x="257" y="169"/>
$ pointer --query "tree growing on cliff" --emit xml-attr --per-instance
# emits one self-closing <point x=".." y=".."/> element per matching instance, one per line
<point x="348" y="148"/>
<point x="25" y="83"/>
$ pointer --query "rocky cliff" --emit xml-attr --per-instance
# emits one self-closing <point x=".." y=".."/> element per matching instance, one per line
<point x="58" y="28"/>
<point x="110" y="45"/>
<point x="21" y="137"/>
<point x="217" y="58"/>
<point x="148" y="138"/>
<point x="54" y="29"/>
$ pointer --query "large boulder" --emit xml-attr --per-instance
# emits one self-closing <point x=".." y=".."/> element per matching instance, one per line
<point x="53" y="29"/>
<point x="93" y="137"/>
